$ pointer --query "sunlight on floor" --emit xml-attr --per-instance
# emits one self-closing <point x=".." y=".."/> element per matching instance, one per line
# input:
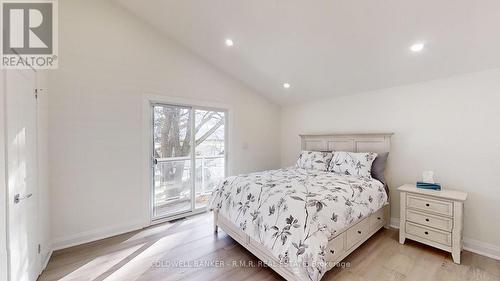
<point x="142" y="262"/>
<point x="148" y="232"/>
<point x="100" y="265"/>
<point x="160" y="228"/>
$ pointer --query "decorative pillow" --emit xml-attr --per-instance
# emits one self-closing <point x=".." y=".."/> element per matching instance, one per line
<point x="353" y="164"/>
<point x="314" y="160"/>
<point x="378" y="167"/>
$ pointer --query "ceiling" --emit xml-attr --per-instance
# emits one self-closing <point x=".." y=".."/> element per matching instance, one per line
<point x="331" y="48"/>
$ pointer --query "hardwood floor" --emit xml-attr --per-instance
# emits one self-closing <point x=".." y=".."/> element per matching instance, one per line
<point x="169" y="251"/>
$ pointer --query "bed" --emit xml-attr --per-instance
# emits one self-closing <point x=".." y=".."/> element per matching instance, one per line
<point x="301" y="222"/>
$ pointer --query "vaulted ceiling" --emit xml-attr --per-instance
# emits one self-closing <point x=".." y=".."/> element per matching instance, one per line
<point x="331" y="48"/>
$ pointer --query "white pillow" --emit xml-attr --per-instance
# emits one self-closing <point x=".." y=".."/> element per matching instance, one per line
<point x="314" y="160"/>
<point x="352" y="163"/>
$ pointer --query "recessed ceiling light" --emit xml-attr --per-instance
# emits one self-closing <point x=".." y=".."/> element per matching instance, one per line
<point x="417" y="47"/>
<point x="286" y="85"/>
<point x="229" y="42"/>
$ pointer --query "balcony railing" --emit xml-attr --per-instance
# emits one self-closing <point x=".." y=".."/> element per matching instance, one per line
<point x="174" y="194"/>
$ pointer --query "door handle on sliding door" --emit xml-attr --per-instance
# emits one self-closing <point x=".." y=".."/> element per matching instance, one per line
<point x="18" y="198"/>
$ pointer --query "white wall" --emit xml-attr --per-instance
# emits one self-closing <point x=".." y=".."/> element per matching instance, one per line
<point x="108" y="59"/>
<point x="450" y="126"/>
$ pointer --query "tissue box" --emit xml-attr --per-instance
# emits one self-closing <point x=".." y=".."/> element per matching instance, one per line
<point x="425" y="185"/>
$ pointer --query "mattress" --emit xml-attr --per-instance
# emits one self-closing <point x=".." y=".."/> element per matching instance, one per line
<point x="294" y="212"/>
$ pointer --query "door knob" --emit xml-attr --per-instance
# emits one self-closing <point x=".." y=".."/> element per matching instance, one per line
<point x="18" y="198"/>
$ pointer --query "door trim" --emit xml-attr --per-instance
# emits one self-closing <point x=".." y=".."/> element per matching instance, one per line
<point x="148" y="100"/>
<point x="4" y="265"/>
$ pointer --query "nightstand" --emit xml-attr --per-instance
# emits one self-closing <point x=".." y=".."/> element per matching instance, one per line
<point x="432" y="217"/>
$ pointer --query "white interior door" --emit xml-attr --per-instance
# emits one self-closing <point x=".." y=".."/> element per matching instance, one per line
<point x="22" y="175"/>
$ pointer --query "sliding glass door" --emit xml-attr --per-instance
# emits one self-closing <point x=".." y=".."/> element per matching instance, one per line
<point x="189" y="157"/>
<point x="210" y="150"/>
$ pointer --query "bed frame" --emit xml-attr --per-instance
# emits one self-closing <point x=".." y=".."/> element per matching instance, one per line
<point x="344" y="242"/>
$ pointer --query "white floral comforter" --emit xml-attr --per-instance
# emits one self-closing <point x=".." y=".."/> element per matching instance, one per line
<point x="293" y="212"/>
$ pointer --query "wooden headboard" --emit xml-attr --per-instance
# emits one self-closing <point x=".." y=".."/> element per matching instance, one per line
<point x="376" y="142"/>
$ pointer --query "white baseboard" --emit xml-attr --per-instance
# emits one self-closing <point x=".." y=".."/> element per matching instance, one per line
<point x="394" y="223"/>
<point x="471" y="245"/>
<point x="93" y="235"/>
<point x="482" y="248"/>
<point x="46" y="261"/>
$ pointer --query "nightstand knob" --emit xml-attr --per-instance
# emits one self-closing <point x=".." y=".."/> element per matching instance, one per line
<point x="427" y="204"/>
<point x="379" y="218"/>
<point x="426" y="219"/>
<point x="359" y="231"/>
<point x="426" y="233"/>
<point x="332" y="251"/>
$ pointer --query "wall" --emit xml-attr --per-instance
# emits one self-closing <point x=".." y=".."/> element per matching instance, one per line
<point x="449" y="126"/>
<point x="108" y="60"/>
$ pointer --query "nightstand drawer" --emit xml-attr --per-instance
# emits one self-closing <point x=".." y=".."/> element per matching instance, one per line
<point x="418" y="202"/>
<point x="434" y="235"/>
<point x="443" y="223"/>
<point x="357" y="233"/>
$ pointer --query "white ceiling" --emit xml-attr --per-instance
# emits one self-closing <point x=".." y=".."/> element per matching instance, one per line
<point x="331" y="48"/>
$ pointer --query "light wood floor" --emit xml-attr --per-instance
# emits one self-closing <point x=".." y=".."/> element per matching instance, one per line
<point x="150" y="254"/>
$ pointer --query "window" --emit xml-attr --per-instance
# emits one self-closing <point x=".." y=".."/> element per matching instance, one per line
<point x="189" y="157"/>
